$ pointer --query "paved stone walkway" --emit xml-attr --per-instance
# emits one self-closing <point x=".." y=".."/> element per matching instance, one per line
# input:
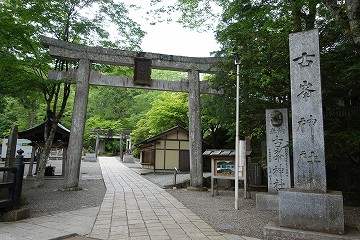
<point x="133" y="208"/>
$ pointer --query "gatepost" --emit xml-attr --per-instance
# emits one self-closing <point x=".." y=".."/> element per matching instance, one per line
<point x="72" y="174"/>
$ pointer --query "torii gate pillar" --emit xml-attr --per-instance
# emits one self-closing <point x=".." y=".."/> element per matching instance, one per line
<point x="71" y="178"/>
<point x="195" y="133"/>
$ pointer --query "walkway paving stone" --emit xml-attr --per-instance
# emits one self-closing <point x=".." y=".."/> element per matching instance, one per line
<point x="50" y="226"/>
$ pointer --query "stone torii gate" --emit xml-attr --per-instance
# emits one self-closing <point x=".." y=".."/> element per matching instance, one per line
<point x="110" y="134"/>
<point x="142" y="63"/>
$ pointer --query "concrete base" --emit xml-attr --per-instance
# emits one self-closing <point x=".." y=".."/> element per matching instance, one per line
<point x="320" y="212"/>
<point x="202" y="189"/>
<point x="15" y="215"/>
<point x="128" y="159"/>
<point x="90" y="157"/>
<point x="267" y="202"/>
<point x="272" y="231"/>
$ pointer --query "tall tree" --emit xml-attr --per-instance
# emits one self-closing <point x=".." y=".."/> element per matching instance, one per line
<point x="79" y="21"/>
<point x="259" y="30"/>
<point x="167" y="110"/>
<point x="347" y="12"/>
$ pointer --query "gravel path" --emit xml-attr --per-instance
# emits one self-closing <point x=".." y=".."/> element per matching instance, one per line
<point x="49" y="200"/>
<point x="219" y="212"/>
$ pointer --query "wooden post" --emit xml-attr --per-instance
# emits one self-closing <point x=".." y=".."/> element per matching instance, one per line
<point x="121" y="147"/>
<point x="38" y="156"/>
<point x="97" y="145"/>
<point x="195" y="133"/>
<point x="64" y="160"/>
<point x="71" y="179"/>
<point x="32" y="159"/>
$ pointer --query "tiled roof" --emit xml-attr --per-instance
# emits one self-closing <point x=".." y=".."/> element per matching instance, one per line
<point x="222" y="152"/>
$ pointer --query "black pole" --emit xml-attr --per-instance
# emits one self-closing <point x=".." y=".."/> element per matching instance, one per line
<point x="19" y="164"/>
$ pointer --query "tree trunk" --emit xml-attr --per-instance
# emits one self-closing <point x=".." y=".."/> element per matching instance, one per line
<point x="32" y="116"/>
<point x="310" y="18"/>
<point x="303" y="21"/>
<point x="39" y="182"/>
<point x="296" y="15"/>
<point x="351" y="17"/>
<point x="353" y="14"/>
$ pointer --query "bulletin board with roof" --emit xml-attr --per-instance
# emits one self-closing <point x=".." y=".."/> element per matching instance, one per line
<point x="223" y="166"/>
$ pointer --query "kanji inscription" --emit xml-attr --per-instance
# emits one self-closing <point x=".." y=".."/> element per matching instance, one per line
<point x="305" y="124"/>
<point x="306" y="88"/>
<point x="142" y="71"/>
<point x="277" y="135"/>
<point x="305" y="60"/>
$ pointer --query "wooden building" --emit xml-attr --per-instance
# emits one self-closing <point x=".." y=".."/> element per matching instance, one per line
<point x="166" y="151"/>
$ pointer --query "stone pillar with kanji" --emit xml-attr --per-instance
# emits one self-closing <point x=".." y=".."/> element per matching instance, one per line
<point x="308" y="206"/>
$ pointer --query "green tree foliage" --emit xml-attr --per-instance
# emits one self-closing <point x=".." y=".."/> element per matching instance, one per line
<point x="78" y="21"/>
<point x="259" y="32"/>
<point x="129" y="107"/>
<point x="167" y="110"/>
<point x="19" y="75"/>
<point x="98" y="122"/>
<point x="13" y="113"/>
<point x="194" y="14"/>
<point x="116" y="109"/>
<point x="215" y="125"/>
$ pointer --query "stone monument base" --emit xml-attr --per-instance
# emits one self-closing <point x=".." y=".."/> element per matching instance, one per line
<point x="319" y="212"/>
<point x="129" y="158"/>
<point x="273" y="231"/>
<point x="267" y="201"/>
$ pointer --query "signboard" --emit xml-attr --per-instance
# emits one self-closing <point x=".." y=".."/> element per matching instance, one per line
<point x="142" y="71"/>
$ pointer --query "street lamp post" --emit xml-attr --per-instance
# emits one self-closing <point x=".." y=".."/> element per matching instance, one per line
<point x="237" y="155"/>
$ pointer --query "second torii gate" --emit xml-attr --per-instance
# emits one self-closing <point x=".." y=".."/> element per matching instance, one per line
<point x="110" y="134"/>
<point x="142" y="63"/>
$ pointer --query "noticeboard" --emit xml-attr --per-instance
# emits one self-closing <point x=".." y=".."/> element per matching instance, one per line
<point x="224" y="167"/>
